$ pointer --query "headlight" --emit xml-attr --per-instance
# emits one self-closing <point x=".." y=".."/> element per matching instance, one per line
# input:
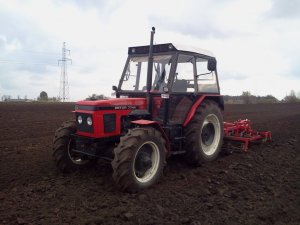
<point x="89" y="121"/>
<point x="79" y="119"/>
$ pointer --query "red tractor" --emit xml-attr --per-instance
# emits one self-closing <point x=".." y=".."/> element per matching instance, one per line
<point x="167" y="102"/>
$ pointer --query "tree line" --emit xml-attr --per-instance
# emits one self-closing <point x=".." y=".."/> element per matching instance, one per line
<point x="247" y="98"/>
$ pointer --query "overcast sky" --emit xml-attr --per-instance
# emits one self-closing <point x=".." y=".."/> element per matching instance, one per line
<point x="255" y="42"/>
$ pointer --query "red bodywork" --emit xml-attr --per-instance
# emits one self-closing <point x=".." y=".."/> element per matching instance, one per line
<point x="241" y="131"/>
<point x="119" y="106"/>
<point x="122" y="107"/>
<point x="195" y="106"/>
<point x="158" y="127"/>
<point x="193" y="110"/>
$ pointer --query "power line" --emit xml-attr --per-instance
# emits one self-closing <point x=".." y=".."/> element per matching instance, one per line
<point x="9" y="61"/>
<point x="37" y="52"/>
<point x="64" y="86"/>
<point x="4" y="61"/>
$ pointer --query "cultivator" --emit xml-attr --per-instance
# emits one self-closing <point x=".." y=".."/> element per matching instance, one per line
<point x="239" y="134"/>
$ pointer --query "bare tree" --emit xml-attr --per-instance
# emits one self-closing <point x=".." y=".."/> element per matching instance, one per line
<point x="43" y="96"/>
<point x="5" y="98"/>
<point x="96" y="97"/>
<point x="291" y="97"/>
<point x="246" y="96"/>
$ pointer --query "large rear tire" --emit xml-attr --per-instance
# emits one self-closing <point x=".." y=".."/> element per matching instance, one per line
<point x="139" y="159"/>
<point x="204" y="134"/>
<point x="65" y="159"/>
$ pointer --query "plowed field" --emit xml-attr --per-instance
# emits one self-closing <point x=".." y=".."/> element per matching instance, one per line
<point x="258" y="187"/>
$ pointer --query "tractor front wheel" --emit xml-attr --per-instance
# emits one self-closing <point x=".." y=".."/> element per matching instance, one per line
<point x="204" y="134"/>
<point x="139" y="159"/>
<point x="65" y="158"/>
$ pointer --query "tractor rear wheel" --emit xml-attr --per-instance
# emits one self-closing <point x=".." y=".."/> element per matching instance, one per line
<point x="139" y="159"/>
<point x="204" y="134"/>
<point x="65" y="159"/>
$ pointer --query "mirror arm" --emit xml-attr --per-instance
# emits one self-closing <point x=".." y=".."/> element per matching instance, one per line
<point x="202" y="74"/>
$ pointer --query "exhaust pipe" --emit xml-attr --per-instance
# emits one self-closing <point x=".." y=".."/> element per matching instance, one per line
<point x="149" y="72"/>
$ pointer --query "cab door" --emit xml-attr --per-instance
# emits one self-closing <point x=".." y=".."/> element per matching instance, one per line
<point x="183" y="88"/>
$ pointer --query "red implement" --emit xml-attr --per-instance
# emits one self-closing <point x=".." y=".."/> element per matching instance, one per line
<point x="241" y="131"/>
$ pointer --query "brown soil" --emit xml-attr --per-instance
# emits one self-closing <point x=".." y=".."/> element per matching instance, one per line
<point x="258" y="187"/>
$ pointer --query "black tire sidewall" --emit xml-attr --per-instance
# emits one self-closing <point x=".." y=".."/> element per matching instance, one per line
<point x="159" y="171"/>
<point x="68" y="165"/>
<point x="126" y="152"/>
<point x="194" y="154"/>
<point x="214" y="110"/>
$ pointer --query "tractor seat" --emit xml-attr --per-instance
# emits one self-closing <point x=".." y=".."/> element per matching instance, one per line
<point x="180" y="86"/>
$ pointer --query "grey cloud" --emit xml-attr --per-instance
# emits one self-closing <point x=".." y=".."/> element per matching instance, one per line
<point x="36" y="49"/>
<point x="203" y="29"/>
<point x="294" y="72"/>
<point x="104" y="7"/>
<point x="8" y="82"/>
<point x="88" y="3"/>
<point x="231" y="76"/>
<point x="85" y="70"/>
<point x="35" y="63"/>
<point x="285" y="9"/>
<point x="202" y="24"/>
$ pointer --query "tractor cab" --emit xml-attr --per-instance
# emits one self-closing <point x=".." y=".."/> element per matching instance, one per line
<point x="180" y="76"/>
<point x="176" y="69"/>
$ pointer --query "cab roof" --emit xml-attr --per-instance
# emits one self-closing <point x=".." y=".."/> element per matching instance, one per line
<point x="168" y="47"/>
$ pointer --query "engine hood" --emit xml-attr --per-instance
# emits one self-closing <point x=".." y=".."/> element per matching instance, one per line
<point x="116" y="103"/>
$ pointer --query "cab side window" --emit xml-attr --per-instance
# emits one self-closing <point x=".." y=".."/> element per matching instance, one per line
<point x="206" y="80"/>
<point x="184" y="76"/>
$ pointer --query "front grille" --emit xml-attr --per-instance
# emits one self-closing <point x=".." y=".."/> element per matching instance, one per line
<point x="84" y="127"/>
<point x="109" y="123"/>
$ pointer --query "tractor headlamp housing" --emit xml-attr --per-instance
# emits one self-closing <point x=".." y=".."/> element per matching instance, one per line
<point x="79" y="119"/>
<point x="89" y="121"/>
<point x="84" y="122"/>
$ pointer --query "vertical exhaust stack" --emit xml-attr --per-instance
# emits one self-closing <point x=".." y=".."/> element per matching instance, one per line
<point x="149" y="72"/>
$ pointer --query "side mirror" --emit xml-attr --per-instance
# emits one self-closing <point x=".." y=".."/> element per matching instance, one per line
<point x="114" y="88"/>
<point x="212" y="64"/>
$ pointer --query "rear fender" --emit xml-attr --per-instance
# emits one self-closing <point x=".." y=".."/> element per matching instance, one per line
<point x="156" y="125"/>
<point x="217" y="98"/>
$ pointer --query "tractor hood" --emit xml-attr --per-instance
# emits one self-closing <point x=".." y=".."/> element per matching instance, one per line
<point x="111" y="104"/>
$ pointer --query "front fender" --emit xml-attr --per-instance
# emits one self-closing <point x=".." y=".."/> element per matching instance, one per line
<point x="156" y="125"/>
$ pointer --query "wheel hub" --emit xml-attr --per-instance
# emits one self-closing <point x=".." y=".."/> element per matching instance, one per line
<point x="143" y="162"/>
<point x="146" y="162"/>
<point x="208" y="134"/>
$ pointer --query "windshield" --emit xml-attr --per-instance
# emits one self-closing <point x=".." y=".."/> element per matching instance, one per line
<point x="135" y="77"/>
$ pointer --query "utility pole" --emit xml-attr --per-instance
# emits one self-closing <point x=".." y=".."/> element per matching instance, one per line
<point x="64" y="86"/>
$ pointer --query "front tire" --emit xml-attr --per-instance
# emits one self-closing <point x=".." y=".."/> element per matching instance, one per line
<point x="139" y="159"/>
<point x="204" y="134"/>
<point x="65" y="159"/>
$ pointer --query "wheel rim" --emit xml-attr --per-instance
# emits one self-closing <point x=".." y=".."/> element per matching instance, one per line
<point x="74" y="156"/>
<point x="210" y="134"/>
<point x="146" y="162"/>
